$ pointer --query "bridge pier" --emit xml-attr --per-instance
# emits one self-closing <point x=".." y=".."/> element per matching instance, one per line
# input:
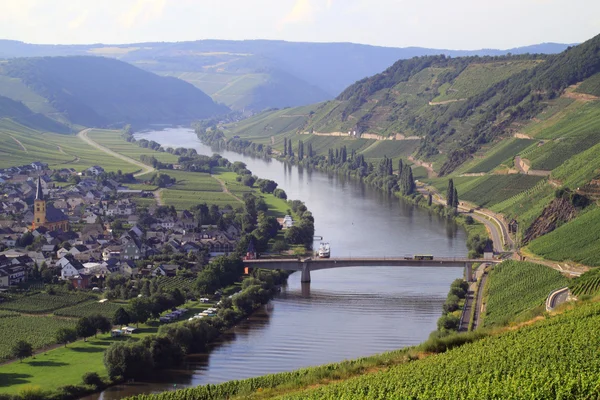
<point x="468" y="272"/>
<point x="305" y="273"/>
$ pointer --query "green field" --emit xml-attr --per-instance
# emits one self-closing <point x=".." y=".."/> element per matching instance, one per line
<point x="511" y="365"/>
<point x="578" y="240"/>
<point x="185" y="199"/>
<point x="390" y="149"/>
<point x="503" y="152"/>
<point x="195" y="181"/>
<point x="580" y="169"/>
<point x="516" y="287"/>
<point x="113" y="141"/>
<point x="58" y="150"/>
<point x="37" y="330"/>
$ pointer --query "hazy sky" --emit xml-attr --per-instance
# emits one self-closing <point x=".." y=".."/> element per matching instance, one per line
<point x="452" y="24"/>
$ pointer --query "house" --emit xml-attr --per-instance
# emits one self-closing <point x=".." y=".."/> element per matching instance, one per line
<point x="166" y="270"/>
<point x="38" y="166"/>
<point x="81" y="281"/>
<point x="488" y="251"/>
<point x="13" y="270"/>
<point x="60" y="253"/>
<point x="69" y="267"/>
<point x="96" y="170"/>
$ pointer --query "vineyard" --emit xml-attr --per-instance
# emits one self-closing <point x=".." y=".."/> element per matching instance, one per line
<point x="509" y="366"/>
<point x="515" y="287"/>
<point x="40" y="303"/>
<point x="587" y="284"/>
<point x="176" y="282"/>
<point x="494" y="189"/>
<point x="37" y="330"/>
<point x="88" y="308"/>
<point x="503" y="152"/>
<point x="578" y="240"/>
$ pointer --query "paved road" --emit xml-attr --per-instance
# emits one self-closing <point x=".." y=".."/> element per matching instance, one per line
<point x="145" y="169"/>
<point x="496" y="227"/>
<point x="466" y="314"/>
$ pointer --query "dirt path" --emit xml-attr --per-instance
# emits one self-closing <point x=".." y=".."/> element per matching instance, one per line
<point x="479" y="302"/>
<point x="145" y="169"/>
<point x="439" y="103"/>
<point x="226" y="189"/>
<point x="157" y="196"/>
<point x="428" y="166"/>
<point x="523" y="168"/>
<point x="18" y="142"/>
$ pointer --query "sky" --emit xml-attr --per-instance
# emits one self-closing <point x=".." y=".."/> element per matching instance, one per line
<point x="447" y="24"/>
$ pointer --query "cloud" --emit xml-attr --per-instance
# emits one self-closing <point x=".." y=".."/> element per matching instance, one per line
<point x="142" y="11"/>
<point x="79" y="20"/>
<point x="302" y="12"/>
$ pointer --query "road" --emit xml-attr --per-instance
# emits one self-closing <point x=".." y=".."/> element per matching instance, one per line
<point x="495" y="226"/>
<point x="466" y="314"/>
<point x="145" y="169"/>
<point x="226" y="189"/>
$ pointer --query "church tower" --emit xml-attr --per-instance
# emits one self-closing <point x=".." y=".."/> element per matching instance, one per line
<point x="39" y="207"/>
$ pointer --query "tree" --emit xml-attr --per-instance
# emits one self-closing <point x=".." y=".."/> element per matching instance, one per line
<point x="450" y="193"/>
<point x="100" y="323"/>
<point x="455" y="199"/>
<point x="85" y="328"/>
<point x="127" y="360"/>
<point x="66" y="336"/>
<point x="285" y="146"/>
<point x="121" y="317"/>
<point x="92" y="379"/>
<point x="21" y="350"/>
<point x="400" y="167"/>
<point x="267" y="185"/>
<point x="140" y="310"/>
<point x="300" y="149"/>
<point x="429" y="199"/>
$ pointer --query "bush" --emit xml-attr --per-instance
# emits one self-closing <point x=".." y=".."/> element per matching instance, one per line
<point x="448" y="322"/>
<point x="92" y="379"/>
<point x="32" y="393"/>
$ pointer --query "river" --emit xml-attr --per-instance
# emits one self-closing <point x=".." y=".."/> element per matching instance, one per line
<point x="344" y="313"/>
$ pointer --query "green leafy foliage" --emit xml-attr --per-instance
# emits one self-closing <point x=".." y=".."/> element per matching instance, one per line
<point x="577" y="240"/>
<point x="502" y="153"/>
<point x="515" y="287"/>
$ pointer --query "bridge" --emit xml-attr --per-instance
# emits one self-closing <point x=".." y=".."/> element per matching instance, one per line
<point x="314" y="264"/>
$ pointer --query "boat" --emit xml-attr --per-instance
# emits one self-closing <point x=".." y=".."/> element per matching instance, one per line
<point x="324" y="250"/>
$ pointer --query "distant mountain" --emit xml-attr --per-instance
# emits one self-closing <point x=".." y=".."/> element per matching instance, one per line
<point x="98" y="91"/>
<point x="259" y="74"/>
<point x="455" y="105"/>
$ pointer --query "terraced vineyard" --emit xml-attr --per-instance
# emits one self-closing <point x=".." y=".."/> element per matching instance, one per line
<point x="508" y="366"/>
<point x="89" y="308"/>
<point x="503" y="152"/>
<point x="37" y="330"/>
<point x="494" y="189"/>
<point x="113" y="141"/>
<point x="176" y="282"/>
<point x="590" y="86"/>
<point x="578" y="240"/>
<point x="515" y="287"/>
<point x="586" y="284"/>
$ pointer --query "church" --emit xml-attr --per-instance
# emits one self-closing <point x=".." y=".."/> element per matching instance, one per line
<point x="46" y="215"/>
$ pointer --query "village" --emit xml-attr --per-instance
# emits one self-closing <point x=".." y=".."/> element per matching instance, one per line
<point x="81" y="228"/>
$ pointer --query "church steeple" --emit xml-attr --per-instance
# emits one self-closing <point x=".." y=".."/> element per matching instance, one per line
<point x="39" y="193"/>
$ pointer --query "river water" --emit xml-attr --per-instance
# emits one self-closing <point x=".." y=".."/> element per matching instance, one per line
<point x="343" y="313"/>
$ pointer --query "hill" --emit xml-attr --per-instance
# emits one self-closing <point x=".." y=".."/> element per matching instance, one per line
<point x="258" y="74"/>
<point x="97" y="91"/>
<point x="19" y="113"/>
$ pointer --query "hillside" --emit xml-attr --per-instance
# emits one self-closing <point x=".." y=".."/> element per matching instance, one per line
<point x="258" y="74"/>
<point x="19" y="113"/>
<point x="96" y="91"/>
<point x="509" y="365"/>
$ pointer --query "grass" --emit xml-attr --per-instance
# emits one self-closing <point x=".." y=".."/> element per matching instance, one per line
<point x="61" y="366"/>
<point x="185" y="199"/>
<point x="516" y="287"/>
<point x="577" y="240"/>
<point x="590" y="86"/>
